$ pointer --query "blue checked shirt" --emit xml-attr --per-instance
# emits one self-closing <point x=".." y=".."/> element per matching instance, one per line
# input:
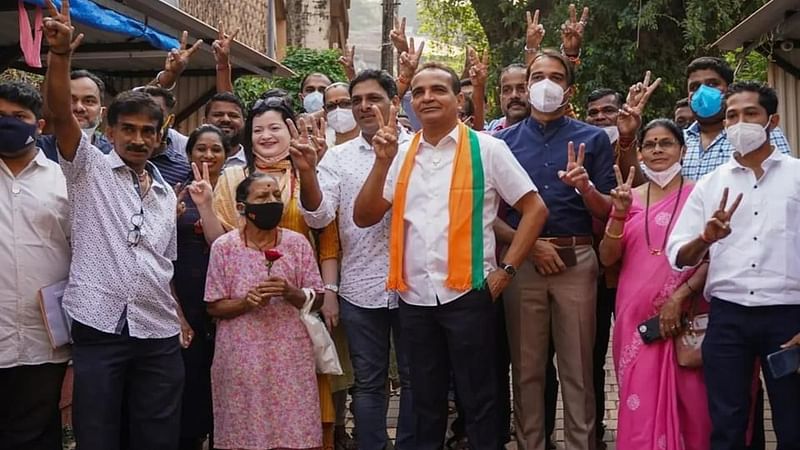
<point x="698" y="163"/>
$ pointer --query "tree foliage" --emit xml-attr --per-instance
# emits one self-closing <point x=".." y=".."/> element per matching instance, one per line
<point x="302" y="61"/>
<point x="623" y="39"/>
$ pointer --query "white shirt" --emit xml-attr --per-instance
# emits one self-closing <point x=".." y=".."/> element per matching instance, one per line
<point x="109" y="279"/>
<point x="427" y="216"/>
<point x="758" y="264"/>
<point x="237" y="159"/>
<point x="34" y="253"/>
<point x="365" y="251"/>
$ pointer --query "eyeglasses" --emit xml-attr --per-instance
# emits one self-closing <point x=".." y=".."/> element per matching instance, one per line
<point x="344" y="103"/>
<point x="269" y="102"/>
<point x="665" y="144"/>
<point x="135" y="234"/>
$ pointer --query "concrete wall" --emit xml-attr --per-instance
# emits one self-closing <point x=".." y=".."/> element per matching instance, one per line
<point x="788" y="89"/>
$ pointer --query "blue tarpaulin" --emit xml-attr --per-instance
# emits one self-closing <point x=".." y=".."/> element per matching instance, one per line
<point x="93" y="15"/>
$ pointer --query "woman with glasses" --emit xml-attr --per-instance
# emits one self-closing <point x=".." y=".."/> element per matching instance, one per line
<point x="661" y="404"/>
<point x="264" y="386"/>
<point x="198" y="227"/>
<point x="266" y="145"/>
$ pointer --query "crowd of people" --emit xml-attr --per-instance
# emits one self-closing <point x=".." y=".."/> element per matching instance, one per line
<point x="468" y="258"/>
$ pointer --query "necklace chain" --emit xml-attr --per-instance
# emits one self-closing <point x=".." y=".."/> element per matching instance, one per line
<point x="659" y="251"/>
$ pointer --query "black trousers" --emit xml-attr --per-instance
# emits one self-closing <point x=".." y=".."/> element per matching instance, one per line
<point x="461" y="336"/>
<point x="736" y="336"/>
<point x="606" y="299"/>
<point x="145" y="375"/>
<point x="29" y="416"/>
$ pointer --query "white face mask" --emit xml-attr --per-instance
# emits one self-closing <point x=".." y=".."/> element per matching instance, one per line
<point x="88" y="131"/>
<point x="662" y="178"/>
<point x="546" y="96"/>
<point x="313" y="102"/>
<point x="341" y="120"/>
<point x="746" y="137"/>
<point x="612" y="132"/>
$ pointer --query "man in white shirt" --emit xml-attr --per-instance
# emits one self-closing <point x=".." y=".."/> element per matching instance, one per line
<point x="447" y="315"/>
<point x="34" y="253"/>
<point x="226" y="112"/>
<point x="754" y="270"/>
<point x="369" y="313"/>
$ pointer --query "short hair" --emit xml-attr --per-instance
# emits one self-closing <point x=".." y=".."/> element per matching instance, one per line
<point x="711" y="63"/>
<point x="510" y="67"/>
<point x="134" y="102"/>
<point x="78" y="74"/>
<point x="597" y="94"/>
<point x="455" y="81"/>
<point x="280" y="104"/>
<point x="312" y="74"/>
<point x="682" y="103"/>
<point x="568" y="67"/>
<point x="22" y="94"/>
<point x="243" y="188"/>
<point x="465" y="82"/>
<point x="668" y="124"/>
<point x="277" y="92"/>
<point x="767" y="97"/>
<point x="203" y="129"/>
<point x="383" y="78"/>
<point x="227" y="97"/>
<point x="158" y="91"/>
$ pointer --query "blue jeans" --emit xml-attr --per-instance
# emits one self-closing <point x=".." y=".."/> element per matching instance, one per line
<point x="368" y="337"/>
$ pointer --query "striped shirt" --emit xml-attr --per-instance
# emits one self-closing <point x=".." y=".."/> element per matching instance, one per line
<point x="173" y="163"/>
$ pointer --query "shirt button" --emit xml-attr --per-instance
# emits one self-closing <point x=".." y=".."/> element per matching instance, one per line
<point x="753" y="266"/>
<point x="755" y="238"/>
<point x="547" y="186"/>
<point x="752" y="293"/>
<point x="755" y="187"/>
<point x="15" y="188"/>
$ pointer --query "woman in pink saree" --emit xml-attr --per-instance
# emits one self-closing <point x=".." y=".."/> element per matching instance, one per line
<point x="661" y="405"/>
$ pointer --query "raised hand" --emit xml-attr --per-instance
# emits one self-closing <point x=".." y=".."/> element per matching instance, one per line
<point x="409" y="60"/>
<point x="575" y="174"/>
<point x="385" y="140"/>
<point x="58" y="29"/>
<point x="303" y="147"/>
<point x="621" y="197"/>
<point x="222" y="46"/>
<point x="572" y="31"/>
<point x="719" y="226"/>
<point x="348" y="62"/>
<point x="398" y="36"/>
<point x="639" y="93"/>
<point x="178" y="58"/>
<point x="200" y="189"/>
<point x="534" y="33"/>
<point x="479" y="67"/>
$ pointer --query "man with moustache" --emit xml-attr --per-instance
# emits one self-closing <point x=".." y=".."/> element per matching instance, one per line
<point x="125" y="324"/>
<point x="513" y="98"/>
<point x="328" y="189"/>
<point x="226" y="112"/>
<point x="88" y="91"/>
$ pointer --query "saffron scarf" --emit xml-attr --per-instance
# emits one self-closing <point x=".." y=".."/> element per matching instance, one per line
<point x="465" y="244"/>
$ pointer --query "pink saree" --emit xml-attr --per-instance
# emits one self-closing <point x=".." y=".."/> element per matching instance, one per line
<point x="661" y="405"/>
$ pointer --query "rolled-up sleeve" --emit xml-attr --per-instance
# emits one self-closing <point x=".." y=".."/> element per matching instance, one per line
<point x="690" y="224"/>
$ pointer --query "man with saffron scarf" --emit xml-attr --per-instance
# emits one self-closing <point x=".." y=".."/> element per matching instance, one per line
<point x="445" y="188"/>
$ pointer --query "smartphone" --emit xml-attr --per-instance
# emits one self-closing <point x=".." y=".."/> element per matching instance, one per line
<point x="650" y="330"/>
<point x="567" y="255"/>
<point x="784" y="362"/>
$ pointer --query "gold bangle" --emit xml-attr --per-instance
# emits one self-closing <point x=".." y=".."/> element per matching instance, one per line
<point x="614" y="236"/>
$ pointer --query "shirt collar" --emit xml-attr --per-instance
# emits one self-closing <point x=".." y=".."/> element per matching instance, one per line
<point x="362" y="143"/>
<point x="774" y="158"/>
<point x="694" y="129"/>
<point x="545" y="127"/>
<point x="452" y="135"/>
<point x="117" y="163"/>
<point x="239" y="155"/>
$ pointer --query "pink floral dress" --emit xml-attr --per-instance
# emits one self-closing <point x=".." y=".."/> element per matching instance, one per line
<point x="263" y="377"/>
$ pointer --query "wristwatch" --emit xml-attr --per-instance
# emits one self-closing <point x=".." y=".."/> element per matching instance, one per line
<point x="509" y="269"/>
<point x="331" y="287"/>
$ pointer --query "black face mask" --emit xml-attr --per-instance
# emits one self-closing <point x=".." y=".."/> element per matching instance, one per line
<point x="265" y="216"/>
<point x="15" y="136"/>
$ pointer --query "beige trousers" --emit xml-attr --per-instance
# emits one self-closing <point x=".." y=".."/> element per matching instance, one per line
<point x="565" y="304"/>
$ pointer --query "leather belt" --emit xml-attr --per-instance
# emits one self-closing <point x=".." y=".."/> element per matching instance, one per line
<point x="571" y="241"/>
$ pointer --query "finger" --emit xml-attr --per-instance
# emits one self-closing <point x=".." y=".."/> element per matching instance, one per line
<point x="396" y="23"/>
<point x="329" y="323"/>
<point x="485" y="59"/>
<point x="536" y="17"/>
<point x="646" y="81"/>
<point x="585" y="15"/>
<point x="421" y="47"/>
<point x="51" y="8"/>
<point x="411" y="47"/>
<point x="649" y="91"/>
<point x="323" y="125"/>
<point x="559" y="263"/>
<point x="184" y="37"/>
<point x="65" y="9"/>
<point x="76" y="42"/>
<point x="194" y="47"/>
<point x="618" y="175"/>
<point x="233" y="36"/>
<point x="292" y="129"/>
<point x="572" y="13"/>
<point x="581" y="154"/>
<point x="562" y="174"/>
<point x="196" y="171"/>
<point x="631" y="174"/>
<point x="220" y="31"/>
<point x="735" y="205"/>
<point x="352" y="53"/>
<point x="724" y="201"/>
<point x="403" y="26"/>
<point x="528" y="18"/>
<point x="570" y="153"/>
<point x="378" y="115"/>
<point x="393" y="117"/>
<point x="205" y="171"/>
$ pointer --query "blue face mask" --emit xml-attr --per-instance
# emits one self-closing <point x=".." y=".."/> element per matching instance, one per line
<point x="706" y="102"/>
<point x="15" y="136"/>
